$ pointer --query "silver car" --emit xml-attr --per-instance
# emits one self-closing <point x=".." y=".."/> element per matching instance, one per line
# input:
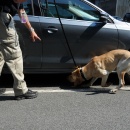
<point x="72" y="32"/>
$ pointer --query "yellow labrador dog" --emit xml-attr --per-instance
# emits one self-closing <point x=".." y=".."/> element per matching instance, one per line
<point x="101" y="66"/>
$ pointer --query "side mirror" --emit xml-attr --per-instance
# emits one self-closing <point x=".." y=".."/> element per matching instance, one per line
<point x="104" y="17"/>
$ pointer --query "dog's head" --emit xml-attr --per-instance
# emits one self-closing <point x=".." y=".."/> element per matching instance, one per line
<point x="76" y="77"/>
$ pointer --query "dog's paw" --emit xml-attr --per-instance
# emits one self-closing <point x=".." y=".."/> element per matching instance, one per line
<point x="113" y="91"/>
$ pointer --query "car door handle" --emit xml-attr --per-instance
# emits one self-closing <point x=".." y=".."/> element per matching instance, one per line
<point x="51" y="29"/>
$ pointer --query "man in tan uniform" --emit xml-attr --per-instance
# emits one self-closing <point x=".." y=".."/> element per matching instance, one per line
<point x="10" y="52"/>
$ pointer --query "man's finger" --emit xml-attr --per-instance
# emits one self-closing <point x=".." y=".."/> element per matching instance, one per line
<point x="39" y="38"/>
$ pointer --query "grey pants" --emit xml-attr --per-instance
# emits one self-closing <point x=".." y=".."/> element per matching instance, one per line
<point x="10" y="53"/>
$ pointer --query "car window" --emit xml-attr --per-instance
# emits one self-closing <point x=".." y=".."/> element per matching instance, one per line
<point x="71" y="9"/>
<point x="47" y="8"/>
<point x="32" y="7"/>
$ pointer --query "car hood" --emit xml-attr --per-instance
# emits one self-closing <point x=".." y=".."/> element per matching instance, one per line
<point x="122" y="25"/>
<point x="127" y="23"/>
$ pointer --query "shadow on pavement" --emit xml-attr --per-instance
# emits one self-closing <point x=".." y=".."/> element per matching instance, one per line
<point x="52" y="80"/>
<point x="5" y="98"/>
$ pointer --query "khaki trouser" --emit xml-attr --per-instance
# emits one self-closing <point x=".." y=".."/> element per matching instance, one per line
<point x="10" y="53"/>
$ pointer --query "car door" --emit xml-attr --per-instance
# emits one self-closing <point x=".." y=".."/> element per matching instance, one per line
<point x="87" y="35"/>
<point x="55" y="49"/>
<point x="32" y="51"/>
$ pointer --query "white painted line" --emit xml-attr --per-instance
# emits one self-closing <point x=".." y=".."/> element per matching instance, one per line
<point x="125" y="88"/>
<point x="9" y="92"/>
<point x="52" y="91"/>
<point x="69" y="90"/>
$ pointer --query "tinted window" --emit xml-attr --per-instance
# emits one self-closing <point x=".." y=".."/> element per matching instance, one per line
<point x="32" y="7"/>
<point x="80" y="9"/>
<point x="71" y="9"/>
<point x="48" y="8"/>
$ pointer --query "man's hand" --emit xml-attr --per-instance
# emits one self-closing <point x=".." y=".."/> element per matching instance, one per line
<point x="34" y="36"/>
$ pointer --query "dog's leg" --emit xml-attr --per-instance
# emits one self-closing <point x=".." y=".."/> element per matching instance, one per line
<point x="122" y="68"/>
<point x="121" y="82"/>
<point x="92" y="81"/>
<point x="104" y="80"/>
<point x="121" y="79"/>
<point x="103" y="72"/>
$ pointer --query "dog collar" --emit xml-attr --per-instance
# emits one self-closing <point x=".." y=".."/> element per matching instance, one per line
<point x="82" y="75"/>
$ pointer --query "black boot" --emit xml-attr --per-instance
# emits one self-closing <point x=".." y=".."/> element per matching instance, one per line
<point x="28" y="95"/>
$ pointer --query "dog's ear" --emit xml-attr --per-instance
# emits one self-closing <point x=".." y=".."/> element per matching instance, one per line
<point x="76" y="72"/>
<point x="77" y="82"/>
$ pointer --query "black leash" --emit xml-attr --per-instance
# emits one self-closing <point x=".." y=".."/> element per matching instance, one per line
<point x="65" y="34"/>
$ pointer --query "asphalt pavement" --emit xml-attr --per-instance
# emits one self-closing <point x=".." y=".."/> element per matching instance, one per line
<point x="60" y="106"/>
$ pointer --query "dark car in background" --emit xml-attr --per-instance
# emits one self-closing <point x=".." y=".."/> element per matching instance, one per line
<point x="72" y="32"/>
<point x="118" y="18"/>
<point x="126" y="17"/>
